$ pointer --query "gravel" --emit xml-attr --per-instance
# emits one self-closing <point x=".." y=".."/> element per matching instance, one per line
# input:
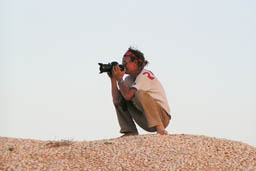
<point x="142" y="152"/>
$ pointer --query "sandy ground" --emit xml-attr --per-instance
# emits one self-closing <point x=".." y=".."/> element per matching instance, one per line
<point x="142" y="152"/>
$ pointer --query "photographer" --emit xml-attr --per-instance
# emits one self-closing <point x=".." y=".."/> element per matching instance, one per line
<point x="140" y="97"/>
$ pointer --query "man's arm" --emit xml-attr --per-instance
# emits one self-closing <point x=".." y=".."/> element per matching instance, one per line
<point x="125" y="90"/>
<point x="114" y="89"/>
<point x="115" y="92"/>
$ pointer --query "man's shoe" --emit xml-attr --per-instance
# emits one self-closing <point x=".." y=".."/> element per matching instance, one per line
<point x="129" y="134"/>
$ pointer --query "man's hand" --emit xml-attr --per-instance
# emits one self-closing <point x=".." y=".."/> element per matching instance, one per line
<point x="117" y="73"/>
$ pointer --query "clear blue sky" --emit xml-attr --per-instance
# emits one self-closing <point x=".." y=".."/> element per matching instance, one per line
<point x="203" y="52"/>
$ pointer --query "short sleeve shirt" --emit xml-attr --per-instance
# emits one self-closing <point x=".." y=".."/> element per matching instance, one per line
<point x="148" y="82"/>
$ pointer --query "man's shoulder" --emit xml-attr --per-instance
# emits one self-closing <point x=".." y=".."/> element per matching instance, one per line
<point x="147" y="74"/>
<point x="146" y="70"/>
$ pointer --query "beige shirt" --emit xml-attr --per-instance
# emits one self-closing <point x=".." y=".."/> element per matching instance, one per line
<point x="148" y="82"/>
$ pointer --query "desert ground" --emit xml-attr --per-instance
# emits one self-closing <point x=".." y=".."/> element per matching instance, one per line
<point x="141" y="152"/>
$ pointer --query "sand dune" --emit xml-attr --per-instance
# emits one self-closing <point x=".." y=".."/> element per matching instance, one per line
<point x="143" y="152"/>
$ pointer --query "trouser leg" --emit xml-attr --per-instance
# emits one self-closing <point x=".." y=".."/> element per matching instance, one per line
<point x="127" y="113"/>
<point x="144" y="110"/>
<point x="139" y="117"/>
<point x="125" y="120"/>
<point x="153" y="113"/>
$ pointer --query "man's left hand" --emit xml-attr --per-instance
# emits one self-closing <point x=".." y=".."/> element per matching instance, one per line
<point x="117" y="73"/>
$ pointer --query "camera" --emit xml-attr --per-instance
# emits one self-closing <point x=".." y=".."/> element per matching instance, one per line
<point x="108" y="67"/>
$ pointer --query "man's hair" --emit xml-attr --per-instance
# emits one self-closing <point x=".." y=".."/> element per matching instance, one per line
<point x="140" y="56"/>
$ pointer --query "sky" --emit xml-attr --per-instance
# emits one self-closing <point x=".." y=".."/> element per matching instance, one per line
<point x="203" y="53"/>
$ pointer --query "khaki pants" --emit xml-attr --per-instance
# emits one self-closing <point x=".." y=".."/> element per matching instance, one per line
<point x="142" y="109"/>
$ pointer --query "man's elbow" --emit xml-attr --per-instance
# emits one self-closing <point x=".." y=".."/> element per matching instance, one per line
<point x="115" y="102"/>
<point x="128" y="96"/>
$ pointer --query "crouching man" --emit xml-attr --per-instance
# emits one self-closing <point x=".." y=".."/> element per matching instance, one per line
<point x="139" y="97"/>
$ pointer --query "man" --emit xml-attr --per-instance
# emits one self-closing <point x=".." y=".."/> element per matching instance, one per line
<point x="140" y="97"/>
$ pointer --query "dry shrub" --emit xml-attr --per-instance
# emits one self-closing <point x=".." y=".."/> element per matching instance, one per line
<point x="61" y="143"/>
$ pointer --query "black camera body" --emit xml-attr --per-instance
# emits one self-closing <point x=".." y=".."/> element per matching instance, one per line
<point x="109" y="67"/>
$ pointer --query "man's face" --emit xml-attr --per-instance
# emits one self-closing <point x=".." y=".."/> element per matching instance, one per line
<point x="130" y="66"/>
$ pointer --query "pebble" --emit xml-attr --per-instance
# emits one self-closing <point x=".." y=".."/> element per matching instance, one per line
<point x="141" y="152"/>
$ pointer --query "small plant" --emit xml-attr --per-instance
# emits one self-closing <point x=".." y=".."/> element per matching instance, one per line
<point x="61" y="143"/>
<point x="11" y="149"/>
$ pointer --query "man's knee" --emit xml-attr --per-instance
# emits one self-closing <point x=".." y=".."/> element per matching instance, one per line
<point x="139" y="98"/>
<point x="121" y="105"/>
<point x="140" y="94"/>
